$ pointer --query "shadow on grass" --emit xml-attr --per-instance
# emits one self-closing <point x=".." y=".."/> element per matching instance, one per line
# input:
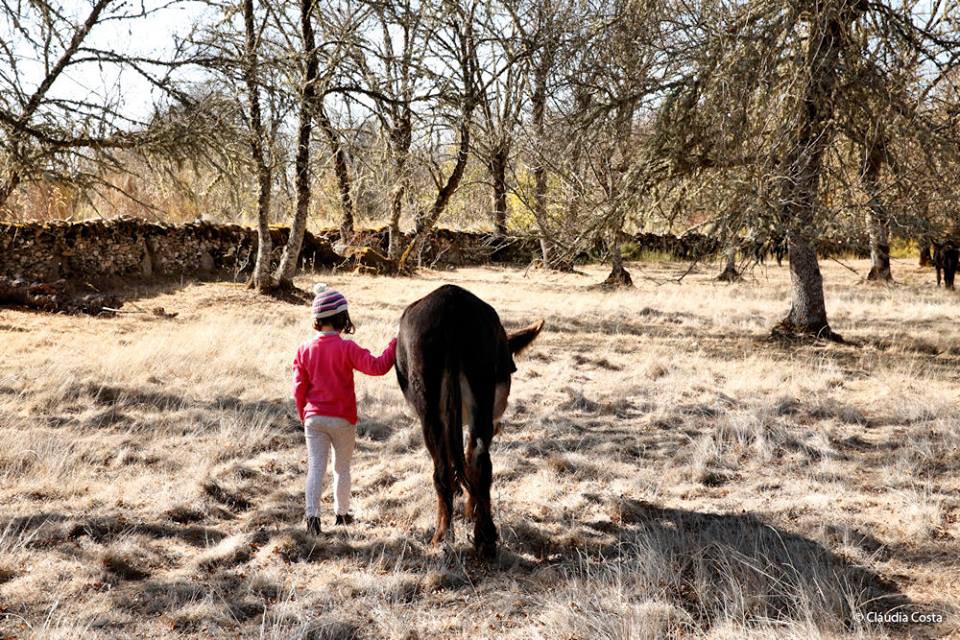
<point x="712" y="565"/>
<point x="715" y="567"/>
<point x="44" y="530"/>
<point x="106" y="296"/>
<point x="115" y="398"/>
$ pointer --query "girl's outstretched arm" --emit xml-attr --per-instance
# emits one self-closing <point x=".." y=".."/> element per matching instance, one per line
<point x="301" y="383"/>
<point x="364" y="362"/>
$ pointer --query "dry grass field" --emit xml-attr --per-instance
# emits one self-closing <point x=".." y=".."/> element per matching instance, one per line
<point x="664" y="470"/>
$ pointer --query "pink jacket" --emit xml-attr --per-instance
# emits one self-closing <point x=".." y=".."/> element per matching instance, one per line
<point x="323" y="375"/>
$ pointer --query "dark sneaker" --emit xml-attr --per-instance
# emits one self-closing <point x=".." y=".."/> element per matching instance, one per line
<point x="344" y="519"/>
<point x="313" y="526"/>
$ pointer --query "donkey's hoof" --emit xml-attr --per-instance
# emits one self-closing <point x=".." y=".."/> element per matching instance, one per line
<point x="486" y="551"/>
<point x="442" y="537"/>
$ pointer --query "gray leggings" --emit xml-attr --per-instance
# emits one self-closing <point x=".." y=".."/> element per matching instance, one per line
<point x="321" y="432"/>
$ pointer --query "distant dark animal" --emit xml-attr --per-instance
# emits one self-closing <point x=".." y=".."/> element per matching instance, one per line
<point x="937" y="260"/>
<point x="926" y="256"/>
<point x="780" y="250"/>
<point x="454" y="362"/>
<point x="775" y="246"/>
<point x="946" y="258"/>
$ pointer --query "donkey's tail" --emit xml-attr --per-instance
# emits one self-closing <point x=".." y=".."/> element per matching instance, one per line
<point x="452" y="417"/>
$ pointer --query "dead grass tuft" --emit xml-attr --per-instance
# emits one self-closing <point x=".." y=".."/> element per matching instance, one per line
<point x="231" y="498"/>
<point x="125" y="564"/>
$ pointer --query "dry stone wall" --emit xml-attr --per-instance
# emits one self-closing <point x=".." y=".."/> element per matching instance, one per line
<point x="130" y="247"/>
<point x="689" y="246"/>
<point x="47" y="252"/>
<point x="447" y="248"/>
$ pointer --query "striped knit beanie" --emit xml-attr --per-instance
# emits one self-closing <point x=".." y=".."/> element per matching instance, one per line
<point x="327" y="302"/>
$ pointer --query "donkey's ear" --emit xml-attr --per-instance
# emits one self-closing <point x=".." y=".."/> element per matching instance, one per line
<point x="521" y="338"/>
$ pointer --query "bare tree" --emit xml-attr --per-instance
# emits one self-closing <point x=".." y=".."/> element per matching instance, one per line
<point x="308" y="96"/>
<point x="259" y="145"/>
<point x="878" y="223"/>
<point x="601" y="151"/>
<point x="340" y="26"/>
<point x="544" y="39"/>
<point x="502" y="65"/>
<point x="808" y="53"/>
<point x="407" y="68"/>
<point x="239" y="48"/>
<point x="393" y="74"/>
<point x="456" y="47"/>
<point x="801" y="166"/>
<point x="341" y="164"/>
<point x="51" y="133"/>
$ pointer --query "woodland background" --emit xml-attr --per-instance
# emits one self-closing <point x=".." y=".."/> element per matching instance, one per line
<point x="770" y="125"/>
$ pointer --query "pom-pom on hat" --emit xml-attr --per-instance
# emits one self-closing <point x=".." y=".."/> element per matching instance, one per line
<point x="327" y="302"/>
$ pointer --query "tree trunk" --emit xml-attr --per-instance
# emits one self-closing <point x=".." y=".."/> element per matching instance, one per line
<point x="539" y="108"/>
<point x="9" y="186"/>
<point x="808" y="313"/>
<point x="802" y="167"/>
<point x="400" y="140"/>
<point x="613" y="178"/>
<point x="291" y="253"/>
<point x="395" y="237"/>
<point x="879" y="250"/>
<point x="261" y="279"/>
<point x="619" y="276"/>
<point x="498" y="177"/>
<point x="261" y="270"/>
<point x="341" y="167"/>
<point x="877" y="220"/>
<point x="730" y="273"/>
<point x="546" y="251"/>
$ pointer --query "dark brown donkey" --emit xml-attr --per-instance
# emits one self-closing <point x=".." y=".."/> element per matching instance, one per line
<point x="454" y="362"/>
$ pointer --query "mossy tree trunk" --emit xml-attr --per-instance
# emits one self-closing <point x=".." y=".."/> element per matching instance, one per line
<point x="308" y="94"/>
<point x="261" y="280"/>
<point x="802" y="167"/>
<point x="400" y="140"/>
<point x="730" y="273"/>
<point x="341" y="168"/>
<point x="878" y="223"/>
<point x="498" y="178"/>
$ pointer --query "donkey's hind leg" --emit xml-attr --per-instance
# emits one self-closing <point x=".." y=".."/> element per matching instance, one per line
<point x="442" y="479"/>
<point x="479" y="471"/>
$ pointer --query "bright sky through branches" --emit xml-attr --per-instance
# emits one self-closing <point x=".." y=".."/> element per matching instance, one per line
<point x="153" y="36"/>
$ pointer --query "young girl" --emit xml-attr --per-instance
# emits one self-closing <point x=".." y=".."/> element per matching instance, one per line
<point x="326" y="400"/>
